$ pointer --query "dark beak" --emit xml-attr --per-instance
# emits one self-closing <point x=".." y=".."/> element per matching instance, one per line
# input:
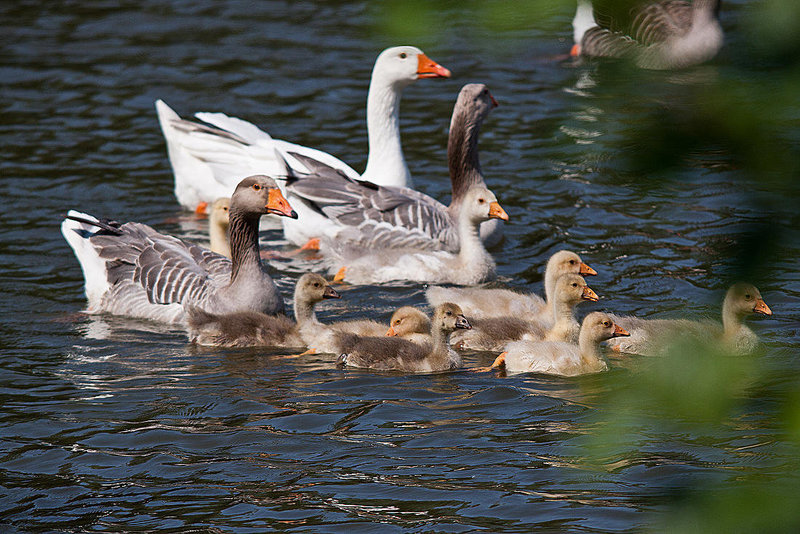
<point x="330" y="293"/>
<point x="461" y="322"/>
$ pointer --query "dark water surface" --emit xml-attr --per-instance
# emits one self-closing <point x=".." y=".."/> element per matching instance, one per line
<point x="115" y="425"/>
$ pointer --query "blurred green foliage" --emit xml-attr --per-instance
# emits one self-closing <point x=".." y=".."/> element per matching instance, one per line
<point x="748" y="106"/>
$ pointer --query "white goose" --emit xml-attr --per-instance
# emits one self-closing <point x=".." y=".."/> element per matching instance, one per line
<point x="666" y="34"/>
<point x="395" y="217"/>
<point x="471" y="265"/>
<point x="209" y="159"/>
<point x="130" y="269"/>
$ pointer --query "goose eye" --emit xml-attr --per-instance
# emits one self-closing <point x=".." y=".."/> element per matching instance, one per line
<point x="572" y="262"/>
<point x="403" y="55"/>
<point x="316" y="284"/>
<point x="748" y="296"/>
<point x="449" y="313"/>
<point x="606" y="323"/>
<point x="257" y="187"/>
<point x="574" y="284"/>
<point x="225" y="209"/>
<point x="481" y="201"/>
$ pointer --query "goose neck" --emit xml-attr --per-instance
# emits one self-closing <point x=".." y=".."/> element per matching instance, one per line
<point x="245" y="254"/>
<point x="471" y="248"/>
<point x="385" y="164"/>
<point x="589" y="348"/>
<point x="304" y="310"/>
<point x="462" y="155"/>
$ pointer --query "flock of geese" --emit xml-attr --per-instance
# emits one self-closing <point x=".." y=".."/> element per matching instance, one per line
<point x="373" y="227"/>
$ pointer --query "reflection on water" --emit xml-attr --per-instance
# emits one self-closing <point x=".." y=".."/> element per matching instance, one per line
<point x="112" y="424"/>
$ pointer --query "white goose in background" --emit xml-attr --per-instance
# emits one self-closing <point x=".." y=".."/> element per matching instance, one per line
<point x="208" y="160"/>
<point x="471" y="265"/>
<point x="479" y="302"/>
<point x="667" y="34"/>
<point x="130" y="269"/>
<point x="347" y="209"/>
<point x="653" y="336"/>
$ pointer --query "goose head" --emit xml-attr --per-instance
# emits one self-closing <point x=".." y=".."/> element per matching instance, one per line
<point x="448" y="316"/>
<point x="219" y="215"/>
<point x="260" y="195"/>
<point x="565" y="261"/>
<point x="408" y="320"/>
<point x="474" y="103"/>
<point x="401" y="65"/>
<point x="744" y="299"/>
<point x="480" y="205"/>
<point x="314" y="288"/>
<point x="571" y="289"/>
<point x="598" y="326"/>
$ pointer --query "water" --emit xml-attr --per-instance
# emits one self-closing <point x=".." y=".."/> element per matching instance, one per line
<point x="116" y="425"/>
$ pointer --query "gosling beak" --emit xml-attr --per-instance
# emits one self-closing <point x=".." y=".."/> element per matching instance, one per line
<point x="278" y="205"/>
<point x="619" y="331"/>
<point x="391" y="332"/>
<point x="427" y="68"/>
<point x="496" y="211"/>
<point x="585" y="270"/>
<point x="589" y="294"/>
<point x="461" y="322"/>
<point x="330" y="293"/>
<point x="762" y="308"/>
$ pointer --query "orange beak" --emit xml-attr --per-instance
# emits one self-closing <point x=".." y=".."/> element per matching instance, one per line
<point x="494" y="102"/>
<point x="391" y="331"/>
<point x="762" y="308"/>
<point x="575" y="51"/>
<point x="201" y="209"/>
<point x="496" y="211"/>
<point x="589" y="294"/>
<point x="585" y="270"/>
<point x="427" y="68"/>
<point x="278" y="205"/>
<point x="619" y="331"/>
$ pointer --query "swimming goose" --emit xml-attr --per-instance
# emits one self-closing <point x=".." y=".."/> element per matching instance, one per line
<point x="397" y="354"/>
<point x="476" y="301"/>
<point x="208" y="159"/>
<point x="472" y="265"/>
<point x="563" y="359"/>
<point x="494" y="333"/>
<point x="130" y="269"/>
<point x="242" y="329"/>
<point x="218" y="224"/>
<point x="653" y="336"/>
<point x="412" y="324"/>
<point x="391" y="217"/>
<point x="668" y="34"/>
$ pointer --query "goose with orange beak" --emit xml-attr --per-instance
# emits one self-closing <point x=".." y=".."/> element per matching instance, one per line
<point x="130" y="269"/>
<point x="206" y="156"/>
<point x="654" y="336"/>
<point x="471" y="265"/>
<point x="563" y="359"/>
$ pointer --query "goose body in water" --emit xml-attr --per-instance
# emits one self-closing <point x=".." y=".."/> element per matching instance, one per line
<point x="667" y="34"/>
<point x="397" y="354"/>
<point x="472" y="265"/>
<point x="493" y="333"/>
<point x="653" y="336"/>
<point x="208" y="159"/>
<point x="560" y="358"/>
<point x="130" y="269"/>
<point x="480" y="302"/>
<point x="355" y="211"/>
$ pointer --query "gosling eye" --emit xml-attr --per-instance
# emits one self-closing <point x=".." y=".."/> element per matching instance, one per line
<point x="316" y="284"/>
<point x="606" y="324"/>
<point x="749" y="296"/>
<point x="574" y="284"/>
<point x="449" y="313"/>
<point x="481" y="201"/>
<point x="572" y="262"/>
<point x="403" y="55"/>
